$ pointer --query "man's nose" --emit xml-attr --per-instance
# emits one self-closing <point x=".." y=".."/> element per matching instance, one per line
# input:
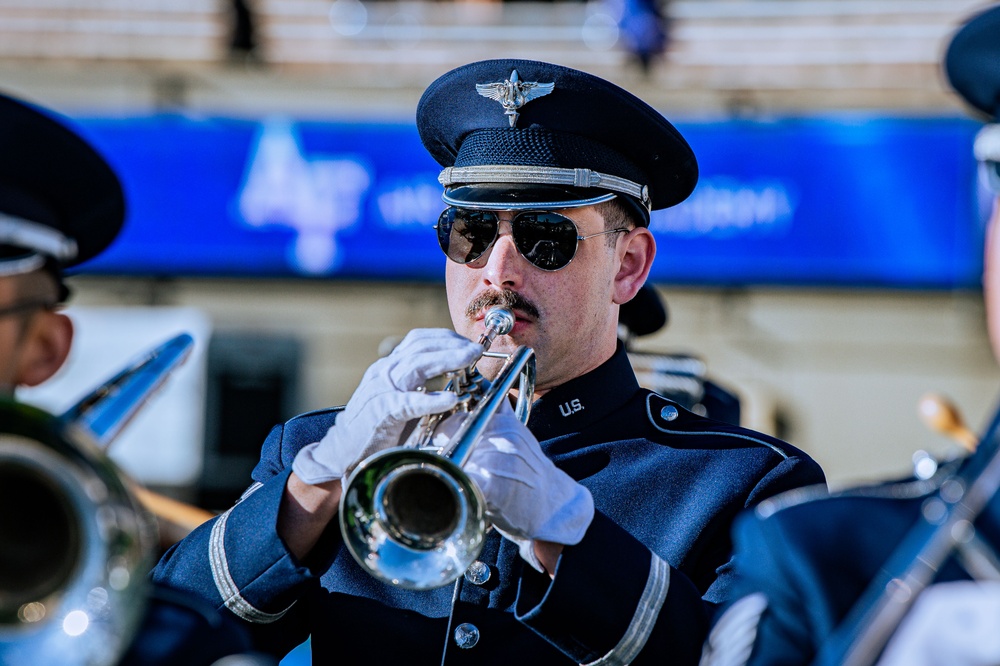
<point x="505" y="266"/>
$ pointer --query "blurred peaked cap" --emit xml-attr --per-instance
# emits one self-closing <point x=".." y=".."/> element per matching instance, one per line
<point x="528" y="134"/>
<point x="646" y="313"/>
<point x="972" y="62"/>
<point x="60" y="202"/>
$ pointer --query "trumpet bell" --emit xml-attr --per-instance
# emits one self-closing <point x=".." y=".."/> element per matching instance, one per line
<point x="413" y="518"/>
<point x="410" y="516"/>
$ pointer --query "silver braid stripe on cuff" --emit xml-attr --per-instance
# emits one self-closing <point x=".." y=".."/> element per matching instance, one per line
<point x="731" y="641"/>
<point x="224" y="582"/>
<point x="502" y="173"/>
<point x="644" y="620"/>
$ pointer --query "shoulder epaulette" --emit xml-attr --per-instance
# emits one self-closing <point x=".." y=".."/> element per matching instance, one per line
<point x="668" y="417"/>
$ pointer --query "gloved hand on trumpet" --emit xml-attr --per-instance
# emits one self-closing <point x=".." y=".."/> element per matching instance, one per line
<point x="385" y="401"/>
<point x="527" y="498"/>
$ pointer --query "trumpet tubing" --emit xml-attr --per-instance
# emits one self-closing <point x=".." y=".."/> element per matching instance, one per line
<point x="410" y="516"/>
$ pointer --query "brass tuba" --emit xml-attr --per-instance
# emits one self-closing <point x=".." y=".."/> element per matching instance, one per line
<point x="75" y="543"/>
<point x="409" y="515"/>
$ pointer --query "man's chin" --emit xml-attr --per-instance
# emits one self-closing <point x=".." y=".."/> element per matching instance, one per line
<point x="490" y="367"/>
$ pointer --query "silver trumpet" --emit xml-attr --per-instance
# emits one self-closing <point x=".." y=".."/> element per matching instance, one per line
<point x="75" y="544"/>
<point x="409" y="515"/>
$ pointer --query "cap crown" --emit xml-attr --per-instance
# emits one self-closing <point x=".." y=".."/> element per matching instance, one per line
<point x="59" y="199"/>
<point x="544" y="116"/>
<point x="972" y="62"/>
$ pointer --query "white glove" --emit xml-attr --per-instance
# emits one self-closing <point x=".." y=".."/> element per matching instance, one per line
<point x="950" y="624"/>
<point x="385" y="401"/>
<point x="527" y="497"/>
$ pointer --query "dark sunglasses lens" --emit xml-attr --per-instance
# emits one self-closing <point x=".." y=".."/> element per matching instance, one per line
<point x="465" y="234"/>
<point x="548" y="240"/>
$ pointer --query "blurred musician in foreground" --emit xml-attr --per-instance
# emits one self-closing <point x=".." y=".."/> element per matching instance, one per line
<point x="820" y="578"/>
<point x="613" y="505"/>
<point x="60" y="205"/>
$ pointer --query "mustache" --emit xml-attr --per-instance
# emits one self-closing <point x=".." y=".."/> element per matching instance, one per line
<point x="505" y="298"/>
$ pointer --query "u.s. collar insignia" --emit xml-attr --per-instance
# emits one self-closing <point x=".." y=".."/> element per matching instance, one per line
<point x="514" y="93"/>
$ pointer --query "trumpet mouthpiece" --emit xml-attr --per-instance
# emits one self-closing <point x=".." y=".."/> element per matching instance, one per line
<point x="499" y="319"/>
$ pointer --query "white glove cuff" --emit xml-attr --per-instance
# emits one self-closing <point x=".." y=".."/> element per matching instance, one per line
<point x="526" y="547"/>
<point x="568" y="525"/>
<point x="310" y="470"/>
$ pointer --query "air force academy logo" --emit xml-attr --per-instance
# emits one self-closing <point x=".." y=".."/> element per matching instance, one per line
<point x="316" y="197"/>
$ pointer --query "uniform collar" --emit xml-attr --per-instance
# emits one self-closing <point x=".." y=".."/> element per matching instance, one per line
<point x="584" y="400"/>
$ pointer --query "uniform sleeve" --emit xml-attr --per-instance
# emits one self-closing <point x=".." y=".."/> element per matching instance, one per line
<point x="613" y="601"/>
<point x="605" y="604"/>
<point x="180" y="629"/>
<point x="803" y="568"/>
<point x="766" y="622"/>
<point x="239" y="564"/>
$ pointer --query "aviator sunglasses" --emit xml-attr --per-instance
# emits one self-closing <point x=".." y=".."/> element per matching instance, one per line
<point x="546" y="239"/>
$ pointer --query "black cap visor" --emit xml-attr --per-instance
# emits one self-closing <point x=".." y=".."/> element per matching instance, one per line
<point x="521" y="196"/>
<point x="509" y="196"/>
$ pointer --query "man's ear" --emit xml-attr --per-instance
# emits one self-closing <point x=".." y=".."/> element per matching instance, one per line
<point x="636" y="250"/>
<point x="46" y="345"/>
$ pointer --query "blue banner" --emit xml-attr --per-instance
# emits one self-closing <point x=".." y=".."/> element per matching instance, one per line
<point x="832" y="201"/>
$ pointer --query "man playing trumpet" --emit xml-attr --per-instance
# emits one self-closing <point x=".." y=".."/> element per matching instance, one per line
<point x="613" y="505"/>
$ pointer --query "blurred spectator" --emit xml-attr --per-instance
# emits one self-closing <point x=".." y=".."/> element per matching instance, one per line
<point x="644" y="27"/>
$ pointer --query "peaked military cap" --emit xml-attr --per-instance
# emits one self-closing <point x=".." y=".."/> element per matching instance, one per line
<point x="972" y="65"/>
<point x="60" y="202"/>
<point x="525" y="134"/>
<point x="972" y="62"/>
<point x="646" y="313"/>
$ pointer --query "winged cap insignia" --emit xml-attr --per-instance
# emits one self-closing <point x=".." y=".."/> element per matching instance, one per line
<point x="514" y="93"/>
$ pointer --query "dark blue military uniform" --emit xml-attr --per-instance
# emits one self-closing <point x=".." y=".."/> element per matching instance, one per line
<point x="180" y="628"/>
<point x="639" y="588"/>
<point x="803" y="563"/>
